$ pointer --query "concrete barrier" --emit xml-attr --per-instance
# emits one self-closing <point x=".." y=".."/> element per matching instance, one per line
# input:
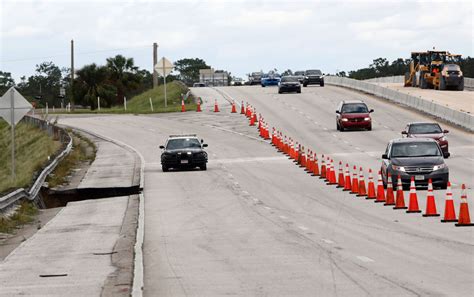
<point x="459" y="118"/>
<point x="468" y="82"/>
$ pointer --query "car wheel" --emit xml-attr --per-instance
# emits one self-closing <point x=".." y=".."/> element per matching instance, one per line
<point x="203" y="167"/>
<point x="263" y="86"/>
<point x="279" y="92"/>
<point x="444" y="186"/>
<point x="321" y="84"/>
<point x="298" y="91"/>
<point x="370" y="128"/>
<point x="337" y="126"/>
<point x="305" y="85"/>
<point x="164" y="168"/>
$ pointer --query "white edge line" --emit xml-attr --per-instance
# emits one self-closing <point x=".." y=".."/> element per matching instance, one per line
<point x="365" y="259"/>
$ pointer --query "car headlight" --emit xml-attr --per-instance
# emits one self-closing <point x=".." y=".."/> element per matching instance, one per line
<point x="344" y="119"/>
<point x="443" y="138"/>
<point x="398" y="168"/>
<point x="306" y="77"/>
<point x="440" y="166"/>
<point x="366" y="119"/>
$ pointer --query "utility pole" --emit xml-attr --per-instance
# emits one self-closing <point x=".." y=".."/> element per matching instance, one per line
<point x="155" y="60"/>
<point x="72" y="73"/>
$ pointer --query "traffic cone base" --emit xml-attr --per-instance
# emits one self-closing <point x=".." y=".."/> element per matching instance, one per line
<point x="449" y="221"/>
<point x="431" y="215"/>
<point x="413" y="211"/>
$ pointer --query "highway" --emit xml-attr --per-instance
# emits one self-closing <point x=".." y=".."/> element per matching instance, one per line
<point x="254" y="224"/>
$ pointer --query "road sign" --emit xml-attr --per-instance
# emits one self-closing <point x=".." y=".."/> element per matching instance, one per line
<point x="13" y="106"/>
<point x="164" y="67"/>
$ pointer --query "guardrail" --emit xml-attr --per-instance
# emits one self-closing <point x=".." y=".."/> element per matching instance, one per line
<point x="57" y="133"/>
<point x="459" y="118"/>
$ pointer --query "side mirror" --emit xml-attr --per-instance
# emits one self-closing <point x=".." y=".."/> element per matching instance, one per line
<point x="204" y="145"/>
<point x="445" y="131"/>
<point x="384" y="156"/>
<point x="338" y="112"/>
<point x="404" y="133"/>
<point x="446" y="155"/>
<point x="371" y="110"/>
<point x="162" y="147"/>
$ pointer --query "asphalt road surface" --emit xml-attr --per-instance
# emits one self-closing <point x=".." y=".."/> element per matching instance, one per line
<point x="254" y="224"/>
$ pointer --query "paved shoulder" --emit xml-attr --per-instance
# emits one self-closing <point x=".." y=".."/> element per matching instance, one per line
<point x="70" y="256"/>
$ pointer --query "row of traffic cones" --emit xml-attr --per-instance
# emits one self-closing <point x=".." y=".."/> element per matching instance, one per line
<point x="308" y="160"/>
<point x="216" y="106"/>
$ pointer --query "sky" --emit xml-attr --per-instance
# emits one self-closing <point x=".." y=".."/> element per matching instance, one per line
<point x="237" y="36"/>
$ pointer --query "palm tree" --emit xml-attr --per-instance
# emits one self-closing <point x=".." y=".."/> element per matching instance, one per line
<point x="123" y="75"/>
<point x="94" y="79"/>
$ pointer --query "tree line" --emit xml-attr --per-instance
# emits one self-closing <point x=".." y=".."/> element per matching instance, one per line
<point x="381" y="67"/>
<point x="119" y="77"/>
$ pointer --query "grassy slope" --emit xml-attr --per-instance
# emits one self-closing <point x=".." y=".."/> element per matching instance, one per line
<point x="141" y="102"/>
<point x="33" y="146"/>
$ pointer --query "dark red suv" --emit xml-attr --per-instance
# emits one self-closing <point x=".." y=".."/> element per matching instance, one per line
<point x="428" y="130"/>
<point x="353" y="114"/>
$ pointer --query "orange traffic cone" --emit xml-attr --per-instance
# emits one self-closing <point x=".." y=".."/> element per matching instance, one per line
<point x="183" y="107"/>
<point x="216" y="107"/>
<point x="233" y="108"/>
<point x="340" y="179"/>
<point x="198" y="108"/>
<point x="315" y="166"/>
<point x="430" y="202"/>
<point x="309" y="162"/>
<point x="390" y="199"/>
<point x="413" y="203"/>
<point x="347" y="179"/>
<point x="252" y="121"/>
<point x="328" y="169"/>
<point x="380" y="190"/>
<point x="332" y="174"/>
<point x="464" y="219"/>
<point x="371" y="187"/>
<point x="248" y="111"/>
<point x="355" y="182"/>
<point x="449" y="212"/>
<point x="362" y="190"/>
<point x="302" y="162"/>
<point x="242" y="108"/>
<point x="323" y="168"/>
<point x="255" y="115"/>
<point x="400" y="201"/>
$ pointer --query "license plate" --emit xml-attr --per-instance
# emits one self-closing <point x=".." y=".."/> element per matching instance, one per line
<point x="184" y="161"/>
<point x="419" y="177"/>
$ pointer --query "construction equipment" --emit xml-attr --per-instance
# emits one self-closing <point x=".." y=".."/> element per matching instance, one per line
<point x="439" y="70"/>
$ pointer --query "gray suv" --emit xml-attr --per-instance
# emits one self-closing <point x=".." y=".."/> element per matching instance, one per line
<point x="421" y="158"/>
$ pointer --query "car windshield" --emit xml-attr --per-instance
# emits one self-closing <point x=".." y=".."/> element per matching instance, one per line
<point x="355" y="108"/>
<point x="425" y="129"/>
<point x="289" y="79"/>
<point x="182" y="143"/>
<point x="415" y="149"/>
<point x="313" y="72"/>
<point x="299" y="72"/>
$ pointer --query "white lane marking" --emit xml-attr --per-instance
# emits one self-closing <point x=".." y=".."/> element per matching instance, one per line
<point x="303" y="228"/>
<point x="345" y="141"/>
<point x="325" y="128"/>
<point x="357" y="148"/>
<point x="385" y="127"/>
<point x="255" y="200"/>
<point x="301" y="112"/>
<point x="236" y="183"/>
<point x="470" y="159"/>
<point x="327" y="241"/>
<point x="283" y="217"/>
<point x="334" y="135"/>
<point x="316" y="123"/>
<point x="152" y="130"/>
<point x="245" y="192"/>
<point x="365" y="259"/>
<point x="267" y="208"/>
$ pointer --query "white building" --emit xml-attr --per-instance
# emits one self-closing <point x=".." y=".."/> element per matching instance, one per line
<point x="211" y="77"/>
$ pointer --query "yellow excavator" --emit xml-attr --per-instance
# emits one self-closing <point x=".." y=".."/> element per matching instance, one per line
<point x="438" y="70"/>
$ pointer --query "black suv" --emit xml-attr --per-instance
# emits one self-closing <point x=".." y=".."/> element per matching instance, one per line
<point x="418" y="157"/>
<point x="183" y="151"/>
<point x="313" y="77"/>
